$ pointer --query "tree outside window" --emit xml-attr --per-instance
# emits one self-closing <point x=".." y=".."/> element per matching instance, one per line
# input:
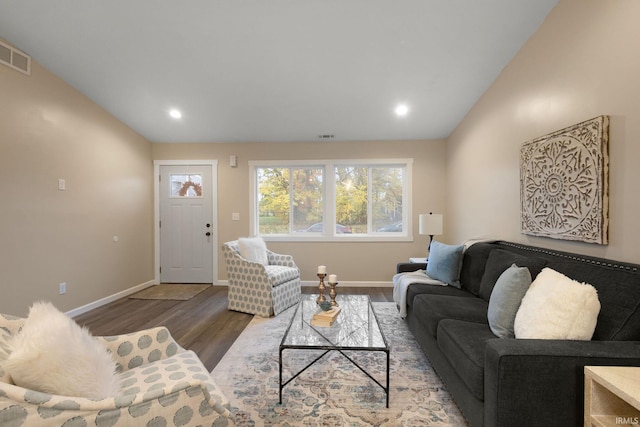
<point x="289" y="199"/>
<point x="359" y="199"/>
<point x="369" y="193"/>
<point x="386" y="199"/>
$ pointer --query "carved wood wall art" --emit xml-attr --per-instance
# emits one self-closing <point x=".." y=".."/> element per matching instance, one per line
<point x="564" y="176"/>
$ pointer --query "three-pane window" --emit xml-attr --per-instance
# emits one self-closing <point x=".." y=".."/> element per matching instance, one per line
<point x="326" y="200"/>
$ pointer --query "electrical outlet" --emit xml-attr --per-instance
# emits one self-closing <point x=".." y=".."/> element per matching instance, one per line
<point x="235" y="216"/>
<point x="63" y="288"/>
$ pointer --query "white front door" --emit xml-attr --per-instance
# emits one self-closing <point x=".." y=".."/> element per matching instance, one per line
<point x="187" y="227"/>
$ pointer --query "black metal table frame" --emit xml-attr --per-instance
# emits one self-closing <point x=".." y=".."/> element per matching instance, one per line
<point x="327" y="349"/>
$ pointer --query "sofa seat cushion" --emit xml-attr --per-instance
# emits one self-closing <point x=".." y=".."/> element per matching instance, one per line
<point x="432" y="309"/>
<point x="279" y="274"/>
<point x="463" y="344"/>
<point x="423" y="288"/>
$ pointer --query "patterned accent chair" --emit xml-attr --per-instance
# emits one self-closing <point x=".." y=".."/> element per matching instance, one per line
<point x="263" y="290"/>
<point x="163" y="385"/>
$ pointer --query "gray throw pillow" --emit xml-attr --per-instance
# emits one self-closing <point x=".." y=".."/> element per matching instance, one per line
<point x="445" y="262"/>
<point x="505" y="300"/>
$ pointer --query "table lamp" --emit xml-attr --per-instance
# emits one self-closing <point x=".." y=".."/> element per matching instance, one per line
<point x="430" y="224"/>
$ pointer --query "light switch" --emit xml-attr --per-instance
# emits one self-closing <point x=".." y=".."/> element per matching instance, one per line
<point x="62" y="184"/>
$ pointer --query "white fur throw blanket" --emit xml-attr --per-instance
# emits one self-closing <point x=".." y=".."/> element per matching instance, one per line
<point x="401" y="282"/>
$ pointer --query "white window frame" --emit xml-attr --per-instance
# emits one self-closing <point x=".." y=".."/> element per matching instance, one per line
<point x="329" y="198"/>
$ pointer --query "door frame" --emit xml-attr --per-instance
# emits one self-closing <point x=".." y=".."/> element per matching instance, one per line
<point x="156" y="211"/>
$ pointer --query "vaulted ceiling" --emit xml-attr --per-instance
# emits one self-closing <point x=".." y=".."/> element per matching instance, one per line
<point x="277" y="70"/>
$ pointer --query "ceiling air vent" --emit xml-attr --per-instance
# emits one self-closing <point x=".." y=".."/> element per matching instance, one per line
<point x="15" y="59"/>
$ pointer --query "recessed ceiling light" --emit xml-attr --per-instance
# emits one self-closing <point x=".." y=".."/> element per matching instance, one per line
<point x="401" y="109"/>
<point x="176" y="114"/>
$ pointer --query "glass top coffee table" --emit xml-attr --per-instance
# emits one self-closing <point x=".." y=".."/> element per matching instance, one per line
<point x="356" y="328"/>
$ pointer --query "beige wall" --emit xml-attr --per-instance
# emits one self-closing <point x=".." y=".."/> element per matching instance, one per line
<point x="49" y="131"/>
<point x="357" y="261"/>
<point x="583" y="62"/>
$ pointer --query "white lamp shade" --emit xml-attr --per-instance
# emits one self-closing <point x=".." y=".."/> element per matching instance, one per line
<point x="430" y="224"/>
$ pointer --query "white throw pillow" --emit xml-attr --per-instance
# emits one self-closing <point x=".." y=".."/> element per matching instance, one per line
<point x="557" y="307"/>
<point x="53" y="354"/>
<point x="253" y="249"/>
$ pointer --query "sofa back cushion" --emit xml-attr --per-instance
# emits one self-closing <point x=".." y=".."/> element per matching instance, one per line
<point x="499" y="260"/>
<point x="473" y="264"/>
<point x="617" y="283"/>
<point x="619" y="294"/>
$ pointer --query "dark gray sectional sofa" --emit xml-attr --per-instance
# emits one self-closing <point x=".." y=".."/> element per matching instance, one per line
<point x="521" y="382"/>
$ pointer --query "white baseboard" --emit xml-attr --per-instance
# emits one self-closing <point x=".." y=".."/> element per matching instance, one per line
<point x="355" y="284"/>
<point x="106" y="300"/>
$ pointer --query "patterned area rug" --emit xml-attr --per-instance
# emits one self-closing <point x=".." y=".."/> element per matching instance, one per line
<point x="170" y="291"/>
<point x="333" y="392"/>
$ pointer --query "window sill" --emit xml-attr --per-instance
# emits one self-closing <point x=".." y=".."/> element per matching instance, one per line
<point x="351" y="238"/>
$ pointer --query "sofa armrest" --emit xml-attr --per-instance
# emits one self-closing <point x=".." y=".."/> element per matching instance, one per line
<point x="406" y="267"/>
<point x="541" y="382"/>
<point x="141" y="347"/>
<point x="280" y="259"/>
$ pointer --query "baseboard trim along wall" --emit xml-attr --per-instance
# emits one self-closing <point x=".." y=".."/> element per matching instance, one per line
<point x="106" y="300"/>
<point x="355" y="284"/>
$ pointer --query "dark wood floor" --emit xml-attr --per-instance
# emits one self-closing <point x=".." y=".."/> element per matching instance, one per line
<point x="202" y="324"/>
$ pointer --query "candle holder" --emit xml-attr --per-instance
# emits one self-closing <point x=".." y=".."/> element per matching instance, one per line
<point x="333" y="293"/>
<point x="321" y="288"/>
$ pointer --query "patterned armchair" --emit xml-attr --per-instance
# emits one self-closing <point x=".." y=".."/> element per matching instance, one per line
<point x="163" y="384"/>
<point x="263" y="290"/>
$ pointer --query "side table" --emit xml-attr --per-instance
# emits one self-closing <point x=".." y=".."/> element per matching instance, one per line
<point x="611" y="396"/>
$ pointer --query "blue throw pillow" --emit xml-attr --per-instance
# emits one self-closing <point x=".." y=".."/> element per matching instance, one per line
<point x="445" y="262"/>
<point x="505" y="300"/>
